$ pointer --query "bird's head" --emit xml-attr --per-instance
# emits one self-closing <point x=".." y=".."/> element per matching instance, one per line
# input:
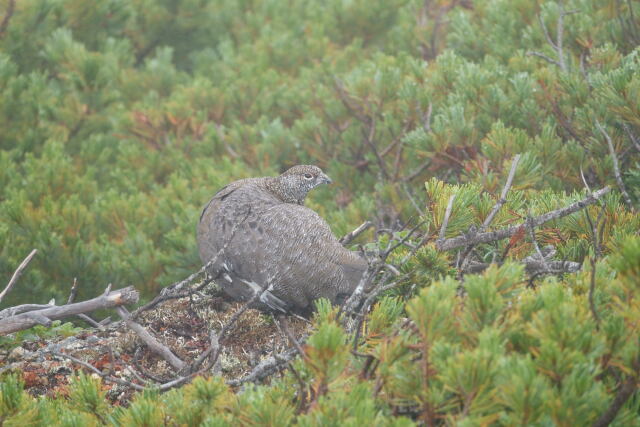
<point x="297" y="181"/>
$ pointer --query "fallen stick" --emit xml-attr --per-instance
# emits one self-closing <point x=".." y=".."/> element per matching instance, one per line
<point x="108" y="299"/>
<point x="150" y="340"/>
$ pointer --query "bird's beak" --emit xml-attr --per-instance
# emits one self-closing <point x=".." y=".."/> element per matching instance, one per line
<point x="325" y="179"/>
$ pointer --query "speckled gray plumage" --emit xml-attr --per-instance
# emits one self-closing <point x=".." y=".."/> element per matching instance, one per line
<point x="267" y="237"/>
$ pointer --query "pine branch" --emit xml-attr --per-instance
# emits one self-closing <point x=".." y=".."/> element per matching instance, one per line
<point x="490" y="236"/>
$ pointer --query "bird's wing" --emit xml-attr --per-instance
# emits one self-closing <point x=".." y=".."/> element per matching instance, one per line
<point x="296" y="249"/>
<point x="223" y="193"/>
<point x="216" y="215"/>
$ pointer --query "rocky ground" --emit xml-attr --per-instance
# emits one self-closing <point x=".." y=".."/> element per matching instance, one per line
<point x="182" y="325"/>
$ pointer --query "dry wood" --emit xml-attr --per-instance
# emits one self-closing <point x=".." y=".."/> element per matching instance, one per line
<point x="108" y="299"/>
<point x="18" y="273"/>
<point x="624" y="393"/>
<point x="557" y="45"/>
<point x="265" y="368"/>
<point x="490" y="236"/>
<point x="632" y="137"/>
<point x="447" y="214"/>
<point x="505" y="191"/>
<point x="348" y="238"/>
<point x="153" y="344"/>
<point x="496" y="208"/>
<point x="616" y="167"/>
<point x="533" y="267"/>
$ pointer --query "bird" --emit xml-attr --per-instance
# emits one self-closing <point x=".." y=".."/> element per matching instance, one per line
<point x="256" y="236"/>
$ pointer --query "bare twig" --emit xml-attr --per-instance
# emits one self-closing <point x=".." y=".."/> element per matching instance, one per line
<point x="593" y="262"/>
<point x="503" y="194"/>
<point x="107" y="377"/>
<point x="90" y="321"/>
<point x="417" y="171"/>
<point x="95" y="370"/>
<point x="496" y="208"/>
<point x="265" y="368"/>
<point x="7" y="17"/>
<point x="556" y="45"/>
<point x="631" y="136"/>
<point x="532" y="235"/>
<point x="18" y="273"/>
<point x="445" y="221"/>
<point x="426" y="118"/>
<point x="533" y="267"/>
<point x="109" y="299"/>
<point x="415" y="205"/>
<point x="545" y="57"/>
<point x="173" y="291"/>
<point x="215" y="349"/>
<point x="74" y="291"/>
<point x="82" y="316"/>
<point x="560" y="35"/>
<point x="616" y="167"/>
<point x="490" y="236"/>
<point x="349" y="237"/>
<point x="153" y="344"/>
<point x="283" y="325"/>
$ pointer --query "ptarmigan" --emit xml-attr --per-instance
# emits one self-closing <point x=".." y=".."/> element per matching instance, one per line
<point x="260" y="236"/>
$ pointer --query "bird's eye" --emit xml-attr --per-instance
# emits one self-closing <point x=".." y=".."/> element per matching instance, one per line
<point x="308" y="176"/>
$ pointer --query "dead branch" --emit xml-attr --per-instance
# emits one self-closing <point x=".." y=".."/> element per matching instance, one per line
<point x="17" y="274"/>
<point x="545" y="57"/>
<point x="632" y="137"/>
<point x="501" y="201"/>
<point x="490" y="236"/>
<point x="12" y="311"/>
<point x="616" y="167"/>
<point x="624" y="393"/>
<point x="265" y="368"/>
<point x="283" y="327"/>
<point x="593" y="261"/>
<point x="556" y="45"/>
<point x="534" y="241"/>
<point x="153" y="344"/>
<point x="349" y="237"/>
<point x="214" y="347"/>
<point x="72" y="297"/>
<point x="214" y="350"/>
<point x="108" y="377"/>
<point x="417" y="171"/>
<point x="108" y="299"/>
<point x="74" y="291"/>
<point x="7" y="17"/>
<point x="447" y="214"/>
<point x="173" y="291"/>
<point x="503" y="194"/>
<point x="533" y="267"/>
<point x="105" y="376"/>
